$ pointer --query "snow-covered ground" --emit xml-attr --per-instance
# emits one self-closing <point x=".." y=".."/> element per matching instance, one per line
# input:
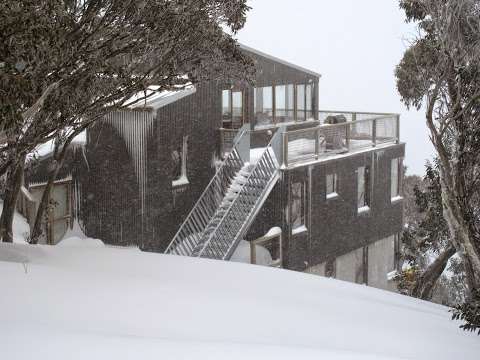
<point x="84" y="300"/>
<point x="108" y="303"/>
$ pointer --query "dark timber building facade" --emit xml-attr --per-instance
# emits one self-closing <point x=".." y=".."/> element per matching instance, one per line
<point x="316" y="191"/>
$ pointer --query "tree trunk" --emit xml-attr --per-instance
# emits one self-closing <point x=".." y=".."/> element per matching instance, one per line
<point x="425" y="284"/>
<point x="12" y="189"/>
<point x="460" y="230"/>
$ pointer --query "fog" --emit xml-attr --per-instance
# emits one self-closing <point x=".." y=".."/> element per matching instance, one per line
<point x="355" y="45"/>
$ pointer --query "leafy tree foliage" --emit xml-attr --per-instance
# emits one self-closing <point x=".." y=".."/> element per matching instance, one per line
<point x="432" y="271"/>
<point x="65" y="63"/>
<point x="441" y="70"/>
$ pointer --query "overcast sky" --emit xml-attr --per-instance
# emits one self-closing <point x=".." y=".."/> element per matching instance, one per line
<point x="355" y="45"/>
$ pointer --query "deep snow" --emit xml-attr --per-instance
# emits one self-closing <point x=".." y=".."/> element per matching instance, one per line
<point x="84" y="300"/>
<point x="108" y="303"/>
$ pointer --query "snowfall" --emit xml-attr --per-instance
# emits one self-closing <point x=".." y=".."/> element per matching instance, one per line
<point x="82" y="299"/>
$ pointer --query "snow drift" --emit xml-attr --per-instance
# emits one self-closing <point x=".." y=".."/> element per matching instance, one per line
<point x="110" y="303"/>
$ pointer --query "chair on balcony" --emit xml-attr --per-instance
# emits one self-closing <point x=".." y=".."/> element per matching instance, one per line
<point x="334" y="136"/>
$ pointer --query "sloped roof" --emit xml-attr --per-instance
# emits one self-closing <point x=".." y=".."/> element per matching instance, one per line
<point x="278" y="60"/>
<point x="156" y="100"/>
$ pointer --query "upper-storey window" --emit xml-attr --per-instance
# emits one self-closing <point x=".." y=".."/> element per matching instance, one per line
<point x="363" y="188"/>
<point x="292" y="103"/>
<point x="284" y="103"/>
<point x="301" y="102"/>
<point x="263" y="103"/>
<point x="232" y="108"/>
<point x="395" y="178"/>
<point x="226" y="105"/>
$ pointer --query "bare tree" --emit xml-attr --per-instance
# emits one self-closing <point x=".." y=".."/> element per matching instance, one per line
<point x="66" y="63"/>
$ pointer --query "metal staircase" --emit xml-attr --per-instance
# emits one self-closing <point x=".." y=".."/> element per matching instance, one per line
<point x="229" y="204"/>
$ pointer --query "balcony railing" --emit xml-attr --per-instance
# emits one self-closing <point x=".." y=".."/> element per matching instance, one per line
<point x="348" y="135"/>
<point x="337" y="132"/>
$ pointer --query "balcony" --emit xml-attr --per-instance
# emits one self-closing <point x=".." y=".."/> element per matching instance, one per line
<point x="335" y="134"/>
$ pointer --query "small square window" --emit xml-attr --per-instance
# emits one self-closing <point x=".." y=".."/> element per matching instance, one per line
<point x="332" y="185"/>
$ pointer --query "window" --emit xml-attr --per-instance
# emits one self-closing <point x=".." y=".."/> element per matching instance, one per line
<point x="263" y="104"/>
<point x="226" y="106"/>
<point x="309" y="101"/>
<point x="232" y="108"/>
<point x="237" y="108"/>
<point x="363" y="188"/>
<point x="179" y="160"/>
<point x="284" y="103"/>
<point x="332" y="184"/>
<point x="298" y="206"/>
<point x="300" y="102"/>
<point x="395" y="178"/>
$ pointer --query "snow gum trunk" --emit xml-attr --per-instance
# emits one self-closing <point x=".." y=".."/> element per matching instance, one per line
<point x="12" y="189"/>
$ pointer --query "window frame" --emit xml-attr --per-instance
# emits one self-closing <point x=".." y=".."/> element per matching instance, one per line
<point x="255" y="96"/>
<point x="398" y="164"/>
<point x="183" y="178"/>
<point x="334" y="193"/>
<point x="297" y="109"/>
<point x="230" y="120"/>
<point x="302" y="227"/>
<point x="365" y="206"/>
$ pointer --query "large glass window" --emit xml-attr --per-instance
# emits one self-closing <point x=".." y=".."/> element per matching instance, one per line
<point x="301" y="102"/>
<point x="263" y="103"/>
<point x="237" y="108"/>
<point x="284" y="103"/>
<point x="232" y="108"/>
<point x="363" y="188"/>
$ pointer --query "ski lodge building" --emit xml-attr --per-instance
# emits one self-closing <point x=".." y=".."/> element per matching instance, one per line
<point x="238" y="172"/>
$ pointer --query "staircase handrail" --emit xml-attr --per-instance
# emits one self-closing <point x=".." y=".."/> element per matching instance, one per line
<point x="267" y="149"/>
<point x="175" y="241"/>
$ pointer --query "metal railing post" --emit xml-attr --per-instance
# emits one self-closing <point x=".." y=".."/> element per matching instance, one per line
<point x="397" y="129"/>
<point x="374" y="132"/>
<point x="347" y="135"/>
<point x="317" y="142"/>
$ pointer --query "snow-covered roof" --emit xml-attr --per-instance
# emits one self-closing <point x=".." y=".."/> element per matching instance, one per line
<point x="157" y="99"/>
<point x="278" y="60"/>
<point x="108" y="303"/>
<point x="46" y="149"/>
